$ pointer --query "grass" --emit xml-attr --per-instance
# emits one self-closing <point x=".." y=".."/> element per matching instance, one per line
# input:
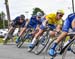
<point x="1" y="40"/>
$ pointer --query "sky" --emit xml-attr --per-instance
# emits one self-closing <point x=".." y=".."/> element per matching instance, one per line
<point x="18" y="7"/>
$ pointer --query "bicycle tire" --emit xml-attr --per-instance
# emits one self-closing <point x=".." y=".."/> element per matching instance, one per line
<point x="22" y="40"/>
<point x="20" y="43"/>
<point x="63" y="49"/>
<point x="41" y="46"/>
<point x="73" y="47"/>
<point x="66" y="54"/>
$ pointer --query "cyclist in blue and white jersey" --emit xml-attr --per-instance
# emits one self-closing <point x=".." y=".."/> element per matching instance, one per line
<point x="34" y="23"/>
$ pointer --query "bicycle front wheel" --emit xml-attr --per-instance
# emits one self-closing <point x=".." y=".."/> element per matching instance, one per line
<point x="73" y="47"/>
<point x="67" y="54"/>
<point x="41" y="45"/>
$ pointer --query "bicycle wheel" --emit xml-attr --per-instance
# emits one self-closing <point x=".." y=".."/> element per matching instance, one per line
<point x="73" y="47"/>
<point x="20" y="43"/>
<point x="23" y="39"/>
<point x="68" y="54"/>
<point x="41" y="45"/>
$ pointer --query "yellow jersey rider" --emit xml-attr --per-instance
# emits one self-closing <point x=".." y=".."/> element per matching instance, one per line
<point x="54" y="21"/>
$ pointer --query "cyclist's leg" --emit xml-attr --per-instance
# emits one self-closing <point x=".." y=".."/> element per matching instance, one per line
<point x="34" y="41"/>
<point x="8" y="34"/>
<point x="65" y="30"/>
<point x="52" y="49"/>
<point x="35" y="38"/>
<point x="22" y="31"/>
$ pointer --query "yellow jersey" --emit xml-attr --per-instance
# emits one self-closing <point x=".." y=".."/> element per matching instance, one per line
<point x="52" y="19"/>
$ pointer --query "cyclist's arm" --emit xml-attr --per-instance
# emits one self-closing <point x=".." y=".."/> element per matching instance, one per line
<point x="58" y="28"/>
<point x="38" y="26"/>
<point x="44" y="22"/>
<point x="73" y="25"/>
<point x="24" y="28"/>
<point x="27" y="21"/>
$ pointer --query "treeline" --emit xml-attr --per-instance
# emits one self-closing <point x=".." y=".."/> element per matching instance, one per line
<point x="3" y="21"/>
<point x="5" y="25"/>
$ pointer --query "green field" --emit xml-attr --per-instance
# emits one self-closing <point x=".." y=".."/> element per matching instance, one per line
<point x="1" y="41"/>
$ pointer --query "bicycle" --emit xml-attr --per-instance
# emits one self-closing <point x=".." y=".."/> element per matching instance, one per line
<point x="71" y="44"/>
<point x="23" y="38"/>
<point x="42" y="42"/>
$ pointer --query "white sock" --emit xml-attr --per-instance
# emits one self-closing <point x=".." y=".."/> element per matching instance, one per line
<point x="5" y="37"/>
<point x="34" y="41"/>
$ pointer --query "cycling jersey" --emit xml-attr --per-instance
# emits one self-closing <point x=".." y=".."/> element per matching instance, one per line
<point x="16" y="21"/>
<point x="34" y="22"/>
<point x="52" y="19"/>
<point x="67" y="23"/>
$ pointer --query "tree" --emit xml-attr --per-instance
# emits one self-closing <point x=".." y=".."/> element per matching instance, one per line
<point x="35" y="10"/>
<point x="0" y="16"/>
<point x="3" y="18"/>
<point x="3" y="21"/>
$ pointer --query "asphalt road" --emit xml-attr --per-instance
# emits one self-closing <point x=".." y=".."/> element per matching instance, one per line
<point x="10" y="51"/>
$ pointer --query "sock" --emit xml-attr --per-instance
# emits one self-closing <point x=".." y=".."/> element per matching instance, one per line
<point x="54" y="45"/>
<point x="34" y="41"/>
<point x="6" y="37"/>
<point x="66" y="42"/>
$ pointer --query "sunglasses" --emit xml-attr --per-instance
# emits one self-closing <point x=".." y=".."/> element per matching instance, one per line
<point x="39" y="17"/>
<point x="61" y="15"/>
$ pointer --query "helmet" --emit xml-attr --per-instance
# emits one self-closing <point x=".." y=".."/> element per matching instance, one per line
<point x="22" y="16"/>
<point x="39" y="14"/>
<point x="60" y="11"/>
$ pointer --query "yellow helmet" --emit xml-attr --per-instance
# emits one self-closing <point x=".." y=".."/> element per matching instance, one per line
<point x="60" y="11"/>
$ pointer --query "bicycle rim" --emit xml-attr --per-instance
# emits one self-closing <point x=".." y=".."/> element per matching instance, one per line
<point x="73" y="47"/>
<point x="41" y="46"/>
<point x="20" y="44"/>
<point x="68" y="54"/>
<point x="22" y="40"/>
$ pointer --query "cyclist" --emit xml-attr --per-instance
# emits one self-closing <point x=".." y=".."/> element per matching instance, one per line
<point x="54" y="21"/>
<point x="69" y="23"/>
<point x="19" y="21"/>
<point x="34" y="23"/>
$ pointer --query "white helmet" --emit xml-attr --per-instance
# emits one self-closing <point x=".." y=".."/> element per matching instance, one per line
<point x="39" y="14"/>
